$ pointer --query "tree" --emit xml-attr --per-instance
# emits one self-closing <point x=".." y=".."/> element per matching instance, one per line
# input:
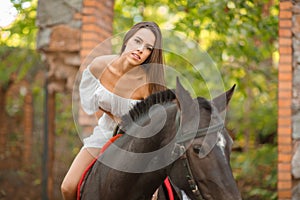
<point x="19" y="61"/>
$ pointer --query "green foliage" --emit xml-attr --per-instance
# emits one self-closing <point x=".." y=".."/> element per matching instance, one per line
<point x="64" y="120"/>
<point x="17" y="63"/>
<point x="6" y="66"/>
<point x="22" y="32"/>
<point x="129" y="12"/>
<point x="14" y="105"/>
<point x="17" y="43"/>
<point x="256" y="172"/>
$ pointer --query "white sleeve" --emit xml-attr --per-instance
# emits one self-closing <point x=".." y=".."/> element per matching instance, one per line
<point x="87" y="90"/>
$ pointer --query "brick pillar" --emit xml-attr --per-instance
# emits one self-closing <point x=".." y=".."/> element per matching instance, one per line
<point x="68" y="33"/>
<point x="97" y="27"/>
<point x="284" y="101"/>
<point x="296" y="101"/>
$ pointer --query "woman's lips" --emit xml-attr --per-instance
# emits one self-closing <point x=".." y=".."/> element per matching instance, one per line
<point x="137" y="57"/>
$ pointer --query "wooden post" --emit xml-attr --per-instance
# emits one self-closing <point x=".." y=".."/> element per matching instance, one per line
<point x="49" y="141"/>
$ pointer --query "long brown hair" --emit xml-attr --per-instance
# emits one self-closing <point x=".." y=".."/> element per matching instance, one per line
<point x="153" y="65"/>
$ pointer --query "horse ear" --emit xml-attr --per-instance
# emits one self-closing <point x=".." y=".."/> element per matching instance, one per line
<point x="222" y="100"/>
<point x="183" y="97"/>
<point x="189" y="108"/>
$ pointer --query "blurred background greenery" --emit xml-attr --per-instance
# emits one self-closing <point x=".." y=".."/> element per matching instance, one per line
<point x="239" y="36"/>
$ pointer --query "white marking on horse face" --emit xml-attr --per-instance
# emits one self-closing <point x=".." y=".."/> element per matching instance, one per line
<point x="221" y="142"/>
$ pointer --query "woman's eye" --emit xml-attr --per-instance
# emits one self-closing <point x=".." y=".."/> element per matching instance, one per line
<point x="137" y="41"/>
<point x="149" y="48"/>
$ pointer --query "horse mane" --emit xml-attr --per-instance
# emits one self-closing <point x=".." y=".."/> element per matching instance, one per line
<point x="141" y="108"/>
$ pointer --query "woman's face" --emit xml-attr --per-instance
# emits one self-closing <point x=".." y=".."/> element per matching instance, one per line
<point x="139" y="46"/>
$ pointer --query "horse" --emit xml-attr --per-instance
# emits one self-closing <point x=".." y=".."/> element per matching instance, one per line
<point x="167" y="134"/>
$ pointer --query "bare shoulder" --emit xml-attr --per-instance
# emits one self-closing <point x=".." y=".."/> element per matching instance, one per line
<point x="100" y="63"/>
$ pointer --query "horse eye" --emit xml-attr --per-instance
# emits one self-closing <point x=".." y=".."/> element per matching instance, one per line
<point x="198" y="149"/>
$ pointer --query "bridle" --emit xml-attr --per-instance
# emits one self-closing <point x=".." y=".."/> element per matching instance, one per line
<point x="182" y="139"/>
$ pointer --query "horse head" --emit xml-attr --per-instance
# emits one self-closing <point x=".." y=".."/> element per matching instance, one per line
<point x="205" y="164"/>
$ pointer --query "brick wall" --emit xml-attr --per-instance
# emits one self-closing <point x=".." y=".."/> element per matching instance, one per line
<point x="284" y="101"/>
<point x="289" y="101"/>
<point x="296" y="101"/>
<point x="97" y="20"/>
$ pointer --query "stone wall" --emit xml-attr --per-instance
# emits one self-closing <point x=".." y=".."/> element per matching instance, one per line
<point x="59" y="40"/>
<point x="68" y="31"/>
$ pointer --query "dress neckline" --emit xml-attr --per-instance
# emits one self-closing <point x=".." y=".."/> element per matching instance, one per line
<point x="107" y="90"/>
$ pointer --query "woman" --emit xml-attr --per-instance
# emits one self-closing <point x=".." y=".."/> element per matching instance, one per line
<point x="113" y="84"/>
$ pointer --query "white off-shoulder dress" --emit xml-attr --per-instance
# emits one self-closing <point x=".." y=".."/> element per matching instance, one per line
<point x="94" y="95"/>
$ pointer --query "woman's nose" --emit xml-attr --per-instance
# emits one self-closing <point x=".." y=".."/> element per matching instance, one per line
<point x="141" y="47"/>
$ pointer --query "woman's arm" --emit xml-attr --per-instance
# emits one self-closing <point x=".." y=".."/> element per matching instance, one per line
<point x="116" y="119"/>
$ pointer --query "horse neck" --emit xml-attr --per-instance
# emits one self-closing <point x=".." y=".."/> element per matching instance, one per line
<point x="150" y="137"/>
